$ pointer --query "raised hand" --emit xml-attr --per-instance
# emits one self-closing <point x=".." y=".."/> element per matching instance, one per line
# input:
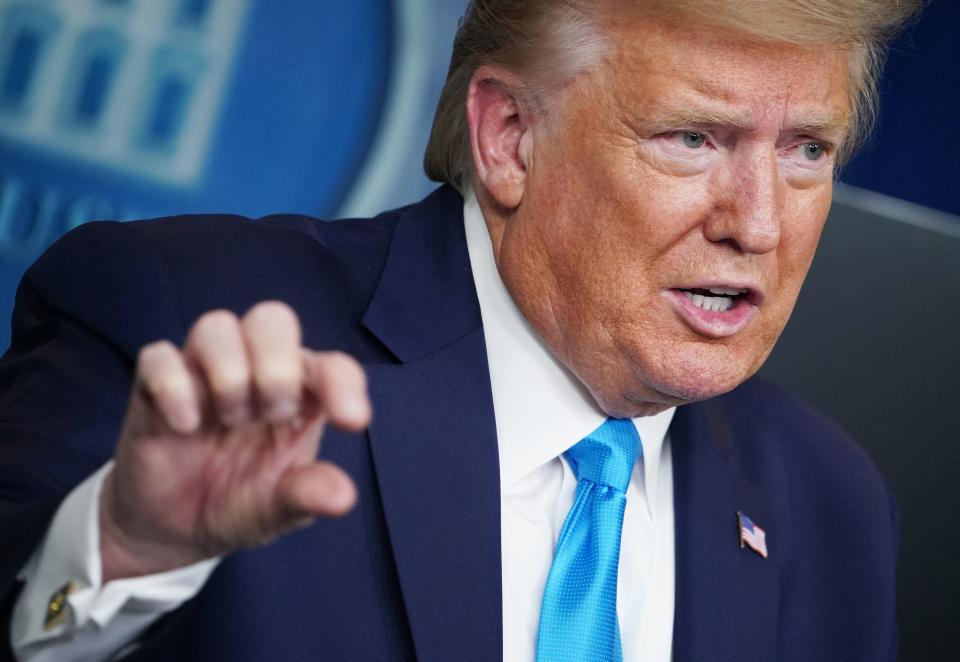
<point x="218" y="449"/>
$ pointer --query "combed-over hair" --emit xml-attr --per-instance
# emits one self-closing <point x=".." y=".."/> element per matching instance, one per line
<point x="555" y="40"/>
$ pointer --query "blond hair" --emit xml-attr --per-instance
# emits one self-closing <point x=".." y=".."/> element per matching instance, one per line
<point x="555" y="40"/>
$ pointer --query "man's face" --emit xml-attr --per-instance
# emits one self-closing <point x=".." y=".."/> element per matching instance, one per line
<point x="671" y="210"/>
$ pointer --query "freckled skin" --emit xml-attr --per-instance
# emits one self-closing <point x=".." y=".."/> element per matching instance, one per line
<point x="615" y="213"/>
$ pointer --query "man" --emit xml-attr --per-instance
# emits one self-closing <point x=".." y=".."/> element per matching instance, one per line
<point x="644" y="187"/>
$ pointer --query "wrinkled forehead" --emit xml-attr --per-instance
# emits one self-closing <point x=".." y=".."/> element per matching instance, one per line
<point x="656" y="68"/>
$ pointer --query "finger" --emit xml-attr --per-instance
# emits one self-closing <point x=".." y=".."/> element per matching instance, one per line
<point x="340" y="385"/>
<point x="216" y="345"/>
<point x="163" y="374"/>
<point x="272" y="333"/>
<point x="318" y="489"/>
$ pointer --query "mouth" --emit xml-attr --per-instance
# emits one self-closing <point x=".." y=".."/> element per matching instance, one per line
<point x="716" y="310"/>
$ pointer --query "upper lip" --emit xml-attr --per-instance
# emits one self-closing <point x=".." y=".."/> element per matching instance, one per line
<point x="754" y="293"/>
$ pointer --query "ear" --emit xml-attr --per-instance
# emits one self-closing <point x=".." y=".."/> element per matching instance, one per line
<point x="500" y="135"/>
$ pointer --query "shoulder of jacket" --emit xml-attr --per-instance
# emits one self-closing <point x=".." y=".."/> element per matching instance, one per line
<point x="767" y="421"/>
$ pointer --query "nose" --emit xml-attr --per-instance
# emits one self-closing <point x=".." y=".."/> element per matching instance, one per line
<point x="748" y="216"/>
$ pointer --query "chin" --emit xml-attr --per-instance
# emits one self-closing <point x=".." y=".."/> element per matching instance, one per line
<point x="698" y="373"/>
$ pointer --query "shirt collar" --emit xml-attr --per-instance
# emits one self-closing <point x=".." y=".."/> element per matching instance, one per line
<point x="541" y="408"/>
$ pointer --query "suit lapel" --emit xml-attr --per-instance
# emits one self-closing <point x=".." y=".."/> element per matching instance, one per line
<point x="726" y="597"/>
<point x="433" y="437"/>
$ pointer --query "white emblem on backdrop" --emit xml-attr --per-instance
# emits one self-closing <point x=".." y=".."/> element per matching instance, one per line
<point x="132" y="85"/>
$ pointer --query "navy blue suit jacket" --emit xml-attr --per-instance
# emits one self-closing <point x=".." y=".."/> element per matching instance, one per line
<point x="414" y="571"/>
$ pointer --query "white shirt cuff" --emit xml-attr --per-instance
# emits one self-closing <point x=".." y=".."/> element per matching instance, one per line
<point x="117" y="612"/>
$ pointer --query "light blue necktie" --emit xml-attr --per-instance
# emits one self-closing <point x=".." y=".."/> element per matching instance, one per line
<point x="578" y="617"/>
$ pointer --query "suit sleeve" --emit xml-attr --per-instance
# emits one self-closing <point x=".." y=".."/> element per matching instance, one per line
<point x="82" y="312"/>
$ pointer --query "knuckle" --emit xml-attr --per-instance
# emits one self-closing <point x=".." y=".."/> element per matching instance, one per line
<point x="214" y="322"/>
<point x="279" y="377"/>
<point x="156" y="349"/>
<point x="168" y="386"/>
<point x="229" y="379"/>
<point x="272" y="312"/>
<point x="155" y="353"/>
<point x="338" y="360"/>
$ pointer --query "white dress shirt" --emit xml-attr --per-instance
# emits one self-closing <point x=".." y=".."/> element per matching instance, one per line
<point x="541" y="410"/>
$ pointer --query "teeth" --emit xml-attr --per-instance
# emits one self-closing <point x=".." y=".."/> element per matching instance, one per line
<point x="723" y="291"/>
<point x="712" y="304"/>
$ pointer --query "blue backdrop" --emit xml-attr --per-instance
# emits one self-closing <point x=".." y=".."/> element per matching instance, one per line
<point x="120" y="109"/>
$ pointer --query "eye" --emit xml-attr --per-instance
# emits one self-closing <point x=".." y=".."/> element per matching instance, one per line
<point x="813" y="151"/>
<point x="693" y="139"/>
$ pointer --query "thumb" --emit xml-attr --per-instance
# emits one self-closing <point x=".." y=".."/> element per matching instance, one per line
<point x="320" y="489"/>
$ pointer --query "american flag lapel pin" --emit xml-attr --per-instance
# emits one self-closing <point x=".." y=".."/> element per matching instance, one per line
<point x="751" y="535"/>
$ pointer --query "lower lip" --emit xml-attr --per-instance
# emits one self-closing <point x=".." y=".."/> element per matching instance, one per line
<point x="712" y="323"/>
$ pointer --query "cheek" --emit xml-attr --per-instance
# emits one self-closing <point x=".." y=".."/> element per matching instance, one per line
<point x="604" y="195"/>
<point x="800" y="236"/>
<point x="642" y="213"/>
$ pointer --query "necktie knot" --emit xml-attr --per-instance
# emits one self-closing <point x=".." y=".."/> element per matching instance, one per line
<point x="606" y="456"/>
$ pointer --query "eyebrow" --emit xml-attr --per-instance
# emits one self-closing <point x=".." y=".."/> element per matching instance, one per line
<point x="664" y="119"/>
<point x="832" y="125"/>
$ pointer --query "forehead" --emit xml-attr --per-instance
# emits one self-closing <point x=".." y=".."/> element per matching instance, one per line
<point x="656" y="66"/>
